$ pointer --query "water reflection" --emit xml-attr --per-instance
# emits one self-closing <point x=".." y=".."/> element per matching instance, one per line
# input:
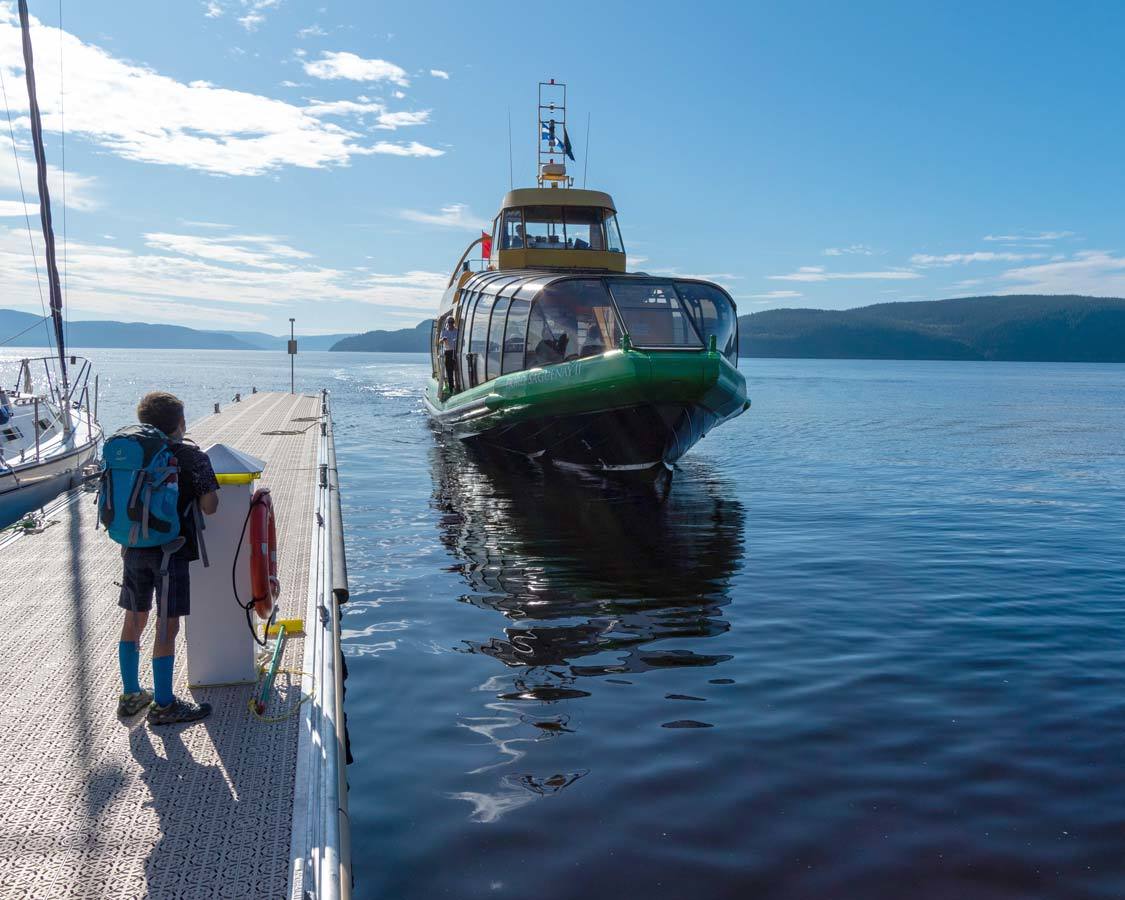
<point x="590" y="575"/>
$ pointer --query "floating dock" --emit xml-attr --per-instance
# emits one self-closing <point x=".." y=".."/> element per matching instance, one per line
<point x="234" y="806"/>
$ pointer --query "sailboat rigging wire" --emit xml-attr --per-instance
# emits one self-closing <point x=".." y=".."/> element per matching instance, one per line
<point x="586" y="155"/>
<point x="34" y="324"/>
<point x="511" y="176"/>
<point x="53" y="287"/>
<point x="23" y="200"/>
<point x="62" y="166"/>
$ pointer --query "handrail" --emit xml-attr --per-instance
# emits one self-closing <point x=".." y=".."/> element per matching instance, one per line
<point x="464" y="256"/>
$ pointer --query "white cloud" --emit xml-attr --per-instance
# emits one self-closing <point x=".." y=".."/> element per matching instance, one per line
<point x="456" y="215"/>
<point x="1025" y="238"/>
<point x="18" y="208"/>
<point x="819" y="273"/>
<point x="201" y="280"/>
<point x="1093" y="272"/>
<point x="335" y="65"/>
<point x="413" y="148"/>
<point x="777" y="295"/>
<point x="949" y="259"/>
<point x="393" y="120"/>
<point x="251" y="21"/>
<point x="212" y="10"/>
<point x="311" y="31"/>
<point x="856" y="249"/>
<point x="141" y="115"/>
<point x="440" y="73"/>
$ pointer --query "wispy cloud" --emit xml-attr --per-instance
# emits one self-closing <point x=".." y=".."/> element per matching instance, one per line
<point x="440" y="73"/>
<point x="819" y="273"/>
<point x="1093" y="272"/>
<point x="344" y="65"/>
<point x="189" y="279"/>
<point x="853" y="249"/>
<point x="311" y="31"/>
<point x="455" y="215"/>
<point x="1029" y="238"/>
<point x="141" y="115"/>
<point x="212" y="10"/>
<point x="950" y="259"/>
<point x="776" y="295"/>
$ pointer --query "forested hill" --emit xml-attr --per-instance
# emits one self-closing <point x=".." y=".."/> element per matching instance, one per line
<point x="1027" y="327"/>
<point x="1022" y="327"/>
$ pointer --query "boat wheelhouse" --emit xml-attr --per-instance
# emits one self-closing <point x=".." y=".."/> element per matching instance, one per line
<point x="554" y="351"/>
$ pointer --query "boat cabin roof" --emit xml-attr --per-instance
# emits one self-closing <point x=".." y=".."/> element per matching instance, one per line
<point x="557" y="197"/>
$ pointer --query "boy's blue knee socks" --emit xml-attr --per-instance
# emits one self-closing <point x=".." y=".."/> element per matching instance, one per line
<point x="129" y="658"/>
<point x="162" y="679"/>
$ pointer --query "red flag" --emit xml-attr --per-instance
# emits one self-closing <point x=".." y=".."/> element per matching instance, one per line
<point x="485" y="245"/>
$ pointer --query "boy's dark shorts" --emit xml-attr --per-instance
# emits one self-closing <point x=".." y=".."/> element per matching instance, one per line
<point x="141" y="582"/>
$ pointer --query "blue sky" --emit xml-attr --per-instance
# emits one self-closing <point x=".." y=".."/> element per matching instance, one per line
<point x="231" y="163"/>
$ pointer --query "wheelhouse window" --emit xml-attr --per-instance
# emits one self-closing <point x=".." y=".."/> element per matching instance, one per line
<point x="615" y="244"/>
<point x="544" y="226"/>
<point x="511" y="230"/>
<point x="714" y="314"/>
<point x="583" y="228"/>
<point x="571" y="320"/>
<point x="654" y="315"/>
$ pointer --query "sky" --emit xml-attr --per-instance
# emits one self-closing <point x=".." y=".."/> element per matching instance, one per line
<point x="232" y="163"/>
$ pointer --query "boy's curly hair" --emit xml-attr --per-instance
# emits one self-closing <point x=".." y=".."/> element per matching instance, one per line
<point x="161" y="410"/>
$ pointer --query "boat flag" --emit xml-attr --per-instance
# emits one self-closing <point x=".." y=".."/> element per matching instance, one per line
<point x="566" y="144"/>
<point x="485" y="245"/>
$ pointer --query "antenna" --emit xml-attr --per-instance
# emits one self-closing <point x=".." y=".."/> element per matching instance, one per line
<point x="586" y="156"/>
<point x="511" y="177"/>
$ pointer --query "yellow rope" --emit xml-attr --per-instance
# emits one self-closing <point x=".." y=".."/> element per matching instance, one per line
<point x="292" y="711"/>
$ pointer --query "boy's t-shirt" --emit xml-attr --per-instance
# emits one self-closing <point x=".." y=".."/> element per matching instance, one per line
<point x="196" y="479"/>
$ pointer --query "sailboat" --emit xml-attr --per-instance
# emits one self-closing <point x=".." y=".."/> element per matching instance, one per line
<point x="49" y="432"/>
<point x="561" y="355"/>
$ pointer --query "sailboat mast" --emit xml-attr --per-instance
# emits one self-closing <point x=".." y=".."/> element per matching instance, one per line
<point x="44" y="204"/>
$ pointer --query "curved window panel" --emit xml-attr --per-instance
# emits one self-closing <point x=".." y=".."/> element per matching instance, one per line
<point x="496" y="338"/>
<point x="654" y="315"/>
<point x="463" y="338"/>
<point x="714" y="314"/>
<point x="571" y="320"/>
<point x="478" y="340"/>
<point x="515" y="336"/>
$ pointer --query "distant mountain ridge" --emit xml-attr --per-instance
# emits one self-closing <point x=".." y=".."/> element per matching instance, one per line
<point x="141" y="335"/>
<point x="1028" y="327"/>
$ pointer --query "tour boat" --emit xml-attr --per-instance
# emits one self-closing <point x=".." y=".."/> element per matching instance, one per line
<point x="48" y="422"/>
<point x="565" y="357"/>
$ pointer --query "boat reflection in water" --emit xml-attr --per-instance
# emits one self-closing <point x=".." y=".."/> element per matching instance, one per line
<point x="592" y="575"/>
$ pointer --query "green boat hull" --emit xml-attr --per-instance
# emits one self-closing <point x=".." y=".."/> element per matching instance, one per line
<point x="625" y="411"/>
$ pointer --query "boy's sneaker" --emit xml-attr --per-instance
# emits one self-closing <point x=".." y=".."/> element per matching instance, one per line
<point x="131" y="704"/>
<point x="178" y="711"/>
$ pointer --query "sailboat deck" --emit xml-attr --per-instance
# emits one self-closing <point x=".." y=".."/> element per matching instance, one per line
<point x="95" y="806"/>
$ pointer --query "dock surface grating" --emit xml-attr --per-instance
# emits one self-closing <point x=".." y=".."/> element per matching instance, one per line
<point x="95" y="806"/>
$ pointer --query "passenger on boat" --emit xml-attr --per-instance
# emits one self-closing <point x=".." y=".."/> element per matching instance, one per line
<point x="146" y="567"/>
<point x="448" y="344"/>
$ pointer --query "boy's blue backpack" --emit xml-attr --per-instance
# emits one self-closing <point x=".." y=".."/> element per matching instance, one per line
<point x="140" y="487"/>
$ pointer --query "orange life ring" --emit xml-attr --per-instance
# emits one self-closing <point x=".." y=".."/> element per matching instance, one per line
<point x="264" y="585"/>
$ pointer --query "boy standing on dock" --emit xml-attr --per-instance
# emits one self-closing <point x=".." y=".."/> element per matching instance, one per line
<point x="146" y="568"/>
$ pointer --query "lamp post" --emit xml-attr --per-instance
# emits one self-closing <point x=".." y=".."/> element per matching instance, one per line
<point x="292" y="355"/>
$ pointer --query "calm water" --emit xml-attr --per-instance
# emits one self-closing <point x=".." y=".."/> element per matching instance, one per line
<point x="871" y="646"/>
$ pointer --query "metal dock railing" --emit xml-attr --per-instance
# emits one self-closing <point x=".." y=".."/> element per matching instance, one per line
<point x="95" y="806"/>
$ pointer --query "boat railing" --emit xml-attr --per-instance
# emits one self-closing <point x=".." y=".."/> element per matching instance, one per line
<point x="39" y="384"/>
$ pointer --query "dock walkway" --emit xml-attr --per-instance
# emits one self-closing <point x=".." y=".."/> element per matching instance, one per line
<point x="95" y="806"/>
